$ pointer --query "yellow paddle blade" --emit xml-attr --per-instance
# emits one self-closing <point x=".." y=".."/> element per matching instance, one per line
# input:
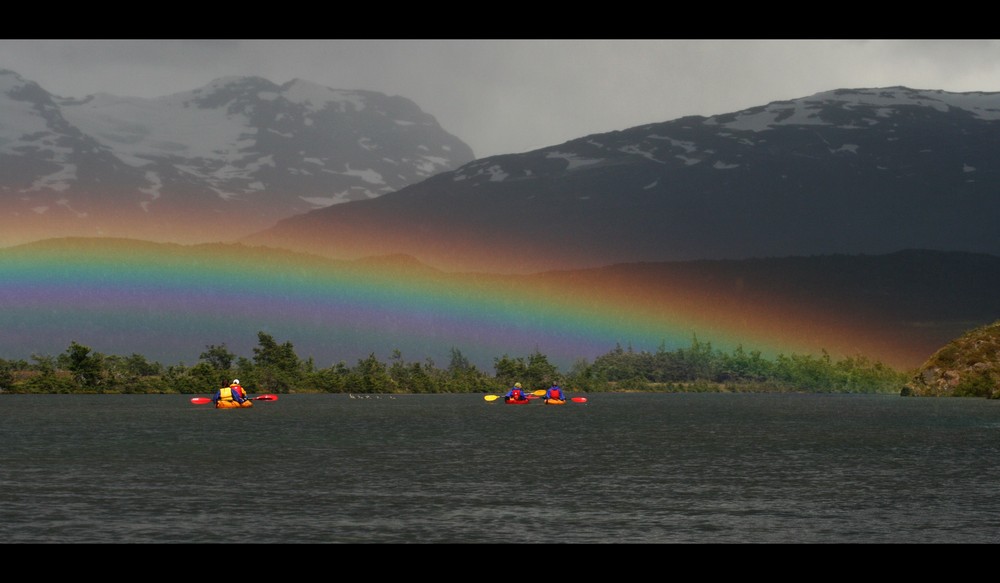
<point x="491" y="397"/>
<point x="539" y="393"/>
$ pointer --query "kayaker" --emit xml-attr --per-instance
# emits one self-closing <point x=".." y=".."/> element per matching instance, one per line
<point x="235" y="385"/>
<point x="515" y="393"/>
<point x="555" y="392"/>
<point x="234" y="392"/>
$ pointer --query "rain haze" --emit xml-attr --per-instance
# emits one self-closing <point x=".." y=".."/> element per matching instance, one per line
<point x="513" y="96"/>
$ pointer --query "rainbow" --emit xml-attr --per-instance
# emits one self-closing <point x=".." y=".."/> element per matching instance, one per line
<point x="169" y="302"/>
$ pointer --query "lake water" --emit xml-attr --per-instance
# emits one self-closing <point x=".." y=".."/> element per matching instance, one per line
<point x="621" y="468"/>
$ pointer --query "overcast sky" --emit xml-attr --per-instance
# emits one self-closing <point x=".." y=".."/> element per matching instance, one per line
<point x="511" y="96"/>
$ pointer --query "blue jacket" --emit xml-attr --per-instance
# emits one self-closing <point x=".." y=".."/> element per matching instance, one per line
<point x="555" y="392"/>
<point x="236" y="395"/>
<point x="510" y="394"/>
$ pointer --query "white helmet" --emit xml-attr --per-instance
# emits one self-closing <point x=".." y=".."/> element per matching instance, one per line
<point x="236" y="381"/>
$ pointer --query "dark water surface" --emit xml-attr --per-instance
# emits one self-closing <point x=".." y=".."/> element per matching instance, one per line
<point x="622" y="468"/>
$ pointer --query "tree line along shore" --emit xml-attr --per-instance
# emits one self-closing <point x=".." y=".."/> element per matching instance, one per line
<point x="275" y="368"/>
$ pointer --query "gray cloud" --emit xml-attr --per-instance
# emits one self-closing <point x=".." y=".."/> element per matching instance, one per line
<point x="508" y="96"/>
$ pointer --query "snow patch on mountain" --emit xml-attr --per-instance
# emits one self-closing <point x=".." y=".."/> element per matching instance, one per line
<point x="637" y="150"/>
<point x="57" y="181"/>
<point x="772" y="115"/>
<point x="368" y="175"/>
<point x="882" y="103"/>
<point x="573" y="160"/>
<point x="852" y="148"/>
<point x="496" y="174"/>
<point x="317" y="98"/>
<point x="138" y="129"/>
<point x="18" y="118"/>
<point x="685" y="145"/>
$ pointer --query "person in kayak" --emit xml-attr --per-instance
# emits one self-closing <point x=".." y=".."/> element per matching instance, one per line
<point x="516" y="393"/>
<point x="235" y="385"/>
<point x="234" y="392"/>
<point x="555" y="392"/>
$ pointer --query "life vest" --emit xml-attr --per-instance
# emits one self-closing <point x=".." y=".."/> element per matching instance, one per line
<point x="517" y="395"/>
<point x="226" y="394"/>
<point x="243" y="392"/>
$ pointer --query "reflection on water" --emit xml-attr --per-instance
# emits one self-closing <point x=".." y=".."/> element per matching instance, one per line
<point x="621" y="468"/>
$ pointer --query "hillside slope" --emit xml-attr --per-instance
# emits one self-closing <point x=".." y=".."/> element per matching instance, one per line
<point x="968" y="366"/>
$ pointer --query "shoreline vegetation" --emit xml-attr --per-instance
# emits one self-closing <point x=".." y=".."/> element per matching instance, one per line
<point x="276" y="368"/>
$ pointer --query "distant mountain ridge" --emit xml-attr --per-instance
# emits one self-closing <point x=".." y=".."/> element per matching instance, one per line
<point x="847" y="171"/>
<point x="204" y="165"/>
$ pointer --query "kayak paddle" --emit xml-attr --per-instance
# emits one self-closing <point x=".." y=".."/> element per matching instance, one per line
<point x="206" y="400"/>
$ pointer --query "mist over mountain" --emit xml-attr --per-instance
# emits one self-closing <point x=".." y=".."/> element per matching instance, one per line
<point x="846" y="171"/>
<point x="855" y="220"/>
<point x="206" y="165"/>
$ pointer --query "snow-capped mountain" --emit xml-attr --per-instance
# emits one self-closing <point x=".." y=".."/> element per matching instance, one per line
<point x="204" y="165"/>
<point x="845" y="171"/>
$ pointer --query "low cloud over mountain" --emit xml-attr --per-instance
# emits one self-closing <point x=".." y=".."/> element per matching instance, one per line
<point x="204" y="165"/>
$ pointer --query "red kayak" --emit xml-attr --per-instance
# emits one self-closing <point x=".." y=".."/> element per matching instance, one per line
<point x="517" y="401"/>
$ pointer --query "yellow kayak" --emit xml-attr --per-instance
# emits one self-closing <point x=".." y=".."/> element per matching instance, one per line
<point x="233" y="404"/>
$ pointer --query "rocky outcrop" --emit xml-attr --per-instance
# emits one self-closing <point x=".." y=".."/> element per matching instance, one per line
<point x="966" y="367"/>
